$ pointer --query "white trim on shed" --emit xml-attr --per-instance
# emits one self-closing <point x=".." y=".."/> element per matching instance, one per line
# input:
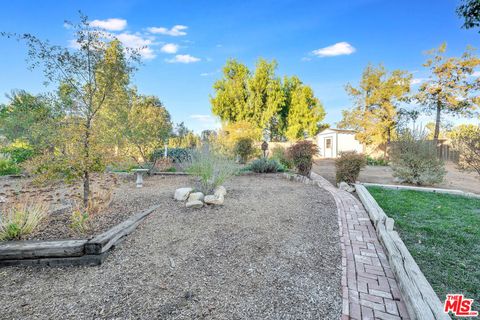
<point x="333" y="141"/>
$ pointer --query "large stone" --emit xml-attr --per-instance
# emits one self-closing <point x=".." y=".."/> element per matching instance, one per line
<point x="345" y="187"/>
<point x="196" y="196"/>
<point x="195" y="204"/>
<point x="213" y="199"/>
<point x="182" y="194"/>
<point x="220" y="191"/>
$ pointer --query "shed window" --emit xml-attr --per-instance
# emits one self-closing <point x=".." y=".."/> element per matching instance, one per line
<point x="328" y="143"/>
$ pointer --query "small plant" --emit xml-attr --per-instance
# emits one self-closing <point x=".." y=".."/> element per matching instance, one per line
<point x="99" y="200"/>
<point x="79" y="220"/>
<point x="348" y="166"/>
<point x="414" y="159"/>
<point x="263" y="165"/>
<point x="376" y="161"/>
<point x="210" y="168"/>
<point x="7" y="166"/>
<point x="18" y="151"/>
<point x="302" y="154"/>
<point x="244" y="149"/>
<point x="280" y="154"/>
<point x="177" y="155"/>
<point x="21" y="219"/>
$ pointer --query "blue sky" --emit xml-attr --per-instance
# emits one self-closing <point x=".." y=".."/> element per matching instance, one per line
<point x="182" y="62"/>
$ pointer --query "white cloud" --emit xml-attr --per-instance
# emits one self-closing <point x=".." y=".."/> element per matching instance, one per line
<point x="338" y="49"/>
<point x="203" y="117"/>
<point x="306" y="59"/>
<point x="175" y="31"/>
<point x="72" y="43"/>
<point x="183" y="58"/>
<point x="207" y="74"/>
<point x="136" y="41"/>
<point x="204" y="122"/>
<point x="169" y="48"/>
<point x="111" y="24"/>
<point x="476" y="74"/>
<point x="415" y="81"/>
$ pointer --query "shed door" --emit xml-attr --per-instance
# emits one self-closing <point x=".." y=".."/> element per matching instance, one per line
<point x="328" y="147"/>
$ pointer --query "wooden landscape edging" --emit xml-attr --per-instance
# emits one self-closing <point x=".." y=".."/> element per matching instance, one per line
<point x="424" y="189"/>
<point x="421" y="300"/>
<point x="69" y="252"/>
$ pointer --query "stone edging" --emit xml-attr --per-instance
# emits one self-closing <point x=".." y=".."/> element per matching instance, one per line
<point x="420" y="298"/>
<point x="69" y="252"/>
<point x="423" y="189"/>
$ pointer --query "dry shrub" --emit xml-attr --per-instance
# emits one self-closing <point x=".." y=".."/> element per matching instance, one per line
<point x="164" y="164"/>
<point x="21" y="218"/>
<point x="348" y="166"/>
<point x="302" y="154"/>
<point x="466" y="140"/>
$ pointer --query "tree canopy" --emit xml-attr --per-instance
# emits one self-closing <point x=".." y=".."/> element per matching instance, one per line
<point x="280" y="109"/>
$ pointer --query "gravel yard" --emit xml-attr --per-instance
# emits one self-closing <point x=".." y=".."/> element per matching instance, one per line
<point x="271" y="252"/>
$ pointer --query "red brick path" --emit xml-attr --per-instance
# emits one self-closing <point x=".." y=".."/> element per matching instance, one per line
<point x="370" y="290"/>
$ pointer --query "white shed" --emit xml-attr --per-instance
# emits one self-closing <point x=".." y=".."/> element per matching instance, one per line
<point x="333" y="141"/>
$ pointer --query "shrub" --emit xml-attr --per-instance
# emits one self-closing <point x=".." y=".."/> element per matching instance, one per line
<point x="414" y="160"/>
<point x="280" y="154"/>
<point x="376" y="161"/>
<point x="348" y="166"/>
<point x="210" y="168"/>
<point x="302" y="154"/>
<point x="164" y="165"/>
<point x="466" y="140"/>
<point x="263" y="165"/>
<point x="21" y="219"/>
<point x="244" y="149"/>
<point x="7" y="166"/>
<point x="177" y="155"/>
<point x="79" y="221"/>
<point x="18" y="152"/>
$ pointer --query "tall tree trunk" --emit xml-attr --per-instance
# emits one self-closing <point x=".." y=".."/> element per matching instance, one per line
<point x="437" y="122"/>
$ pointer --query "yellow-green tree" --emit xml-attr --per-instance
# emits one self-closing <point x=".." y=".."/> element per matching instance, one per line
<point x="376" y="98"/>
<point x="450" y="87"/>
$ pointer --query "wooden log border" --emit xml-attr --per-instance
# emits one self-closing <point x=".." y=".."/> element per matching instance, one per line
<point x="69" y="252"/>
<point x="421" y="301"/>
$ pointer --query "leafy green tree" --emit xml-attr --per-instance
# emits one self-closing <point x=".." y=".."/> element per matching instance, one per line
<point x="469" y="10"/>
<point x="182" y="137"/>
<point x="88" y="78"/>
<point x="280" y="110"/>
<point x="466" y="139"/>
<point x="29" y="118"/>
<point x="376" y="99"/>
<point x="304" y="111"/>
<point x="450" y="88"/>
<point x="149" y="125"/>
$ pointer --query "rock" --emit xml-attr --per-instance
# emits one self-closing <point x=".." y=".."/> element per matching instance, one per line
<point x="182" y="194"/>
<point x="195" y="196"/>
<point x="3" y="199"/>
<point x="195" y="204"/>
<point x="213" y="199"/>
<point x="345" y="187"/>
<point x="220" y="191"/>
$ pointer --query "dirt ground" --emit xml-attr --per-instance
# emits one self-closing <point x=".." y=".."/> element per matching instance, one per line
<point x="271" y="252"/>
<point x="455" y="179"/>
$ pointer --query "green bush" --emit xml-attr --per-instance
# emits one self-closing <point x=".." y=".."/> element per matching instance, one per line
<point x="210" y="168"/>
<point x="348" y="166"/>
<point x="178" y="155"/>
<point x="302" y="154"/>
<point x="18" y="154"/>
<point x="7" y="166"/>
<point x="414" y="160"/>
<point x="376" y="161"/>
<point x="280" y="154"/>
<point x="244" y="149"/>
<point x="263" y="165"/>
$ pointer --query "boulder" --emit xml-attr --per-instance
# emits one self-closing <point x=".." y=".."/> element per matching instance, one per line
<point x="182" y="194"/>
<point x="345" y="187"/>
<point x="195" y="204"/>
<point x="213" y="199"/>
<point x="195" y="196"/>
<point x="220" y="191"/>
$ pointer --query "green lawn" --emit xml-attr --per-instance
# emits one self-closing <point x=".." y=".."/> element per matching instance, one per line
<point x="442" y="232"/>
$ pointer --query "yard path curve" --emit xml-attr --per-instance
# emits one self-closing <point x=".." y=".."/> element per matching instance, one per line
<point x="369" y="288"/>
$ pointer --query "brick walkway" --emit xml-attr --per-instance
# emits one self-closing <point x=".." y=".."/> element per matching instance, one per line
<point x="370" y="290"/>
